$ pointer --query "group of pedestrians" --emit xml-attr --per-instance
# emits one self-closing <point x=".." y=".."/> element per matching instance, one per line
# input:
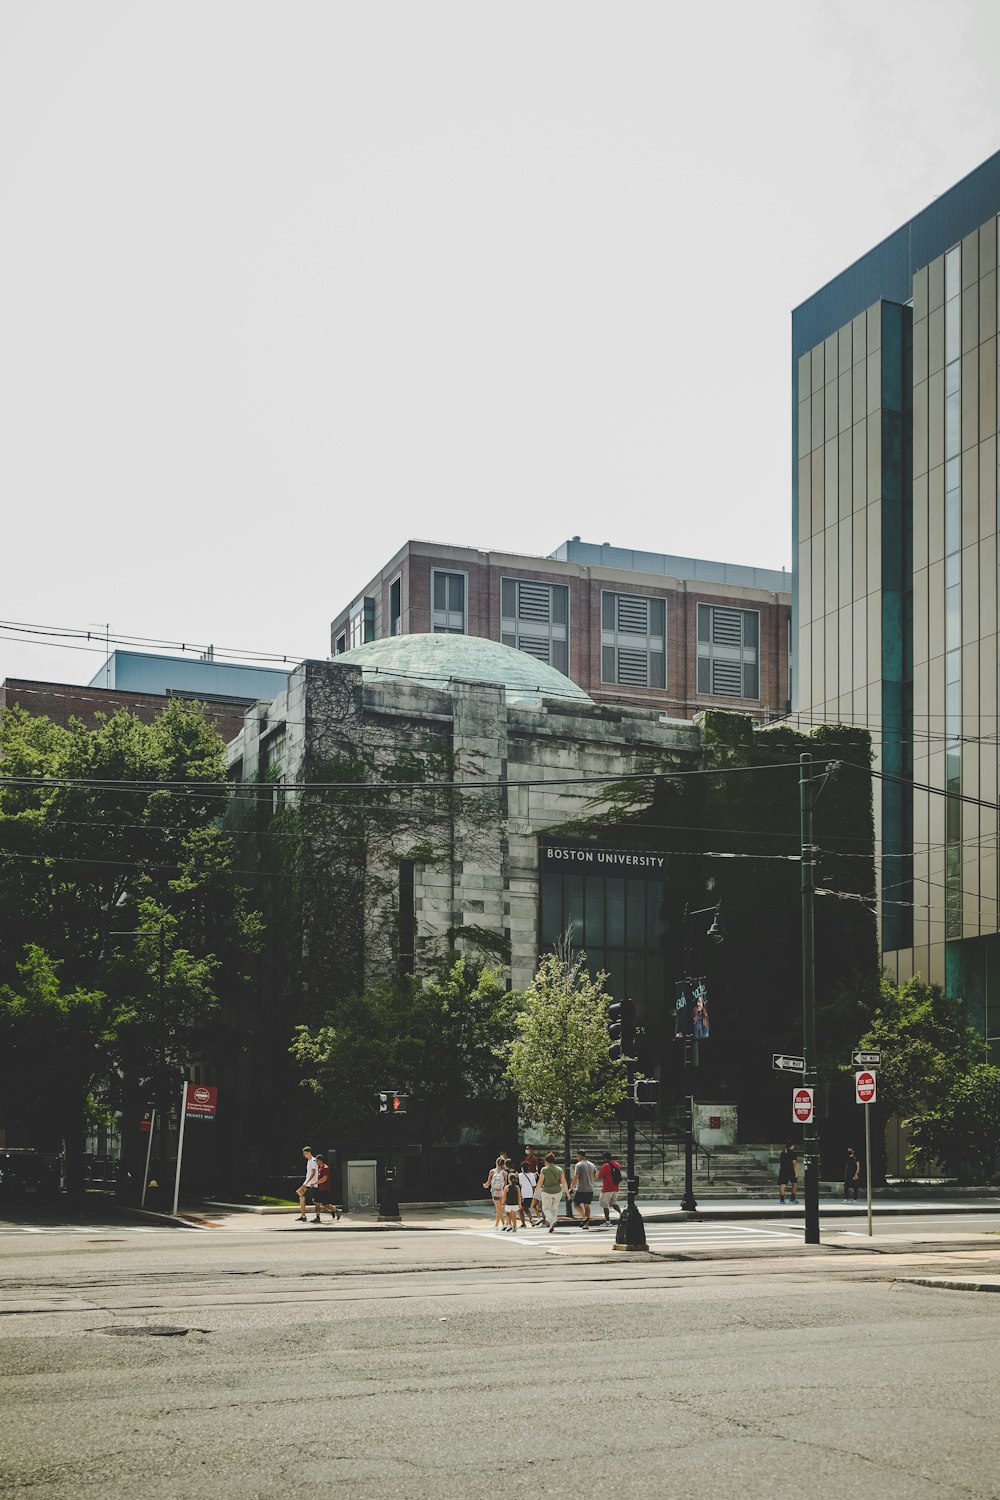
<point x="531" y="1195"/>
<point x="788" y="1174"/>
<point x="316" y="1189"/>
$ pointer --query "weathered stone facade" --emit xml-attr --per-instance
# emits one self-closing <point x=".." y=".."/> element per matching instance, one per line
<point x="477" y="886"/>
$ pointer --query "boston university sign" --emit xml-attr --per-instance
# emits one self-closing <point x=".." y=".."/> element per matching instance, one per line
<point x="566" y="856"/>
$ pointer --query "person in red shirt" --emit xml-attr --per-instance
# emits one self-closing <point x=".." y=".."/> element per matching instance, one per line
<point x="610" y="1174"/>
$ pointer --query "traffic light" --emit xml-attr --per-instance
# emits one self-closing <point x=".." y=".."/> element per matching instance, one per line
<point x="399" y="1103"/>
<point x="621" y="1030"/>
<point x="646" y="1091"/>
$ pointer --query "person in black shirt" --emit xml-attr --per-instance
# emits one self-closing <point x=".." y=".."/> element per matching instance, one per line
<point x="852" y="1174"/>
<point x="788" y="1173"/>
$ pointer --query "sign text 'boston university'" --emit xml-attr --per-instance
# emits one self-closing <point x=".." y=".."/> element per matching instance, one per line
<point x="651" y="863"/>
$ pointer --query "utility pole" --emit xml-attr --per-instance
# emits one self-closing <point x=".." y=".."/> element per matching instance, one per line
<point x="808" y="885"/>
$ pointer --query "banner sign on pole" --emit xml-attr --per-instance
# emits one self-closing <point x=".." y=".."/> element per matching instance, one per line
<point x="802" y="1106"/>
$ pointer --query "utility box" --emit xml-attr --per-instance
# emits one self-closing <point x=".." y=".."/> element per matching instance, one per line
<point x="715" y="1124"/>
<point x="360" y="1187"/>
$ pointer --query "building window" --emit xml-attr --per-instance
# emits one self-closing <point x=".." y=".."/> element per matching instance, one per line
<point x="341" y="645"/>
<point x="396" y="607"/>
<point x="728" y="651"/>
<point x="361" y="626"/>
<point x="534" y="617"/>
<point x="633" y="640"/>
<point x="449" y="593"/>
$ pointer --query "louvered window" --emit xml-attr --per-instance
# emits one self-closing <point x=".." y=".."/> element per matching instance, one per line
<point x="633" y="640"/>
<point x="534" y="617"/>
<point x="728" y="655"/>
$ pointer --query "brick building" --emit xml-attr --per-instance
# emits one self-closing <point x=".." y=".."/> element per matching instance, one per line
<point x="640" y="628"/>
<point x="141" y="682"/>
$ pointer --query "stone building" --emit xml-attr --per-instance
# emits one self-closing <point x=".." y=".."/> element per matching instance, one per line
<point x="429" y="792"/>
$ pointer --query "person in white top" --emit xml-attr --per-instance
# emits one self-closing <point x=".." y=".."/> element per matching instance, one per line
<point x="312" y="1172"/>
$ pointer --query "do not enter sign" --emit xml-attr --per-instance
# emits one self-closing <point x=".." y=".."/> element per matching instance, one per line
<point x="802" y="1106"/>
<point x="864" y="1087"/>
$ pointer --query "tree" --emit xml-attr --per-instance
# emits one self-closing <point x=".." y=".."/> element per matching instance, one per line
<point x="439" y="1039"/>
<point x="964" y="1128"/>
<point x="51" y="1054"/>
<point x="113" y="865"/>
<point x="558" y="1064"/>
<point x="926" y="1043"/>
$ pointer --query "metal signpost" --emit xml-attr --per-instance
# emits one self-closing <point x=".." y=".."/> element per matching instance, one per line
<point x="149" y="1125"/>
<point x="197" y="1102"/>
<point x="866" y="1092"/>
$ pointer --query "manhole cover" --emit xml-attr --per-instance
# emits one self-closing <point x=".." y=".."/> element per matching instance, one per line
<point x="151" y="1331"/>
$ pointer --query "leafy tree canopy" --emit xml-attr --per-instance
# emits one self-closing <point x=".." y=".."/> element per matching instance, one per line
<point x="119" y="911"/>
<point x="925" y="1043"/>
<point x="558" y="1064"/>
<point x="438" y="1039"/>
<point x="963" y="1130"/>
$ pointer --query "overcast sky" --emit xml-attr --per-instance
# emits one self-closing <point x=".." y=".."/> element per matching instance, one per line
<point x="284" y="285"/>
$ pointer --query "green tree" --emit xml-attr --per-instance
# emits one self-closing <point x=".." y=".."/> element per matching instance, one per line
<point x="440" y="1039"/>
<point x="925" y="1042"/>
<point x="113" y="862"/>
<point x="964" y="1128"/>
<point x="558" y="1064"/>
<point x="52" y="1056"/>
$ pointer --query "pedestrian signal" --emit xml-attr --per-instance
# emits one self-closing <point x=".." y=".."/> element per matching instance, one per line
<point x="646" y="1091"/>
<point x="399" y="1103"/>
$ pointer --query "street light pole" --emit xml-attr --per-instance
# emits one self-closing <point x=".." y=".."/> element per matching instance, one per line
<point x="717" y="933"/>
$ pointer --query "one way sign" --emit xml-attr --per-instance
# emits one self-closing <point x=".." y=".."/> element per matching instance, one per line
<point x="785" y="1064"/>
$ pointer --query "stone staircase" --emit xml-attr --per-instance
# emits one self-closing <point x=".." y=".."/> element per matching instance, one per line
<point x="742" y="1171"/>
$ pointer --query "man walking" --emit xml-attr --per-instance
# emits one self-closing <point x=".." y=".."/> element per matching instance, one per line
<point x="788" y="1172"/>
<point x="610" y="1173"/>
<point x="305" y="1188"/>
<point x="582" y="1186"/>
<point x="852" y="1174"/>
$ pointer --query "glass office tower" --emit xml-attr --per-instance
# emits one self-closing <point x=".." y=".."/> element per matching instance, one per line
<point x="894" y="381"/>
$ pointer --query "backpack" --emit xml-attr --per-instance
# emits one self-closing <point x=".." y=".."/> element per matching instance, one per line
<point x="616" y="1173"/>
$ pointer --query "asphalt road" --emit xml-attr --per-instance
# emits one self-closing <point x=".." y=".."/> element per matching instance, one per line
<point x="460" y="1364"/>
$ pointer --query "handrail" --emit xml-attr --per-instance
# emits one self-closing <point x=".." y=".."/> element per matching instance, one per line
<point x="677" y="1138"/>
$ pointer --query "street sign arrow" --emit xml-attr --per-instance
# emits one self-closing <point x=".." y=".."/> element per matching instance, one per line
<point x="786" y="1064"/>
<point x="867" y="1059"/>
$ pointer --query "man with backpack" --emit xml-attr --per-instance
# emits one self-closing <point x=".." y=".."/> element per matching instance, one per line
<point x="610" y="1173"/>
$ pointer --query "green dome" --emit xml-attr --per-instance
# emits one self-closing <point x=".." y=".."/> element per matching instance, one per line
<point x="434" y="660"/>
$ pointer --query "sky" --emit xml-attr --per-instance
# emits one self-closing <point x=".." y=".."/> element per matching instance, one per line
<point x="284" y="286"/>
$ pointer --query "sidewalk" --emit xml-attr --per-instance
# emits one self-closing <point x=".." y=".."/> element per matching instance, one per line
<point x="476" y="1214"/>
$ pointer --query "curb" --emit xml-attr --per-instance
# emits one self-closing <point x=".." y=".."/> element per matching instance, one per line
<point x="948" y="1286"/>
